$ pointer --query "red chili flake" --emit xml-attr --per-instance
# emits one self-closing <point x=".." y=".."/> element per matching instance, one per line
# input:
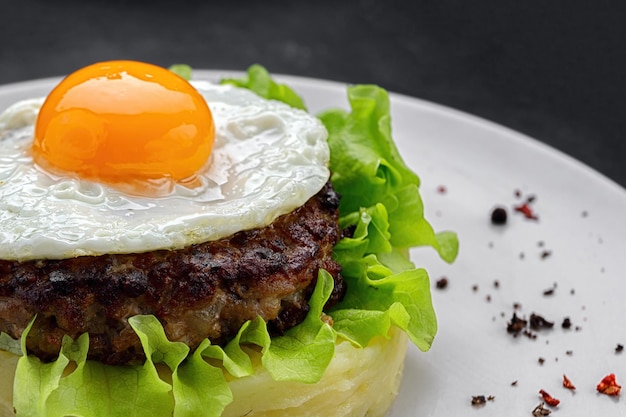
<point x="527" y="211"/>
<point x="567" y="383"/>
<point x="609" y="385"/>
<point x="550" y="400"/>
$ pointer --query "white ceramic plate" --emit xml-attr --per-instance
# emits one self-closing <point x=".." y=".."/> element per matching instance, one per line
<point x="581" y="224"/>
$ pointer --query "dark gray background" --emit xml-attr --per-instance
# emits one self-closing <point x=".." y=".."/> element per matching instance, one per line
<point x="554" y="70"/>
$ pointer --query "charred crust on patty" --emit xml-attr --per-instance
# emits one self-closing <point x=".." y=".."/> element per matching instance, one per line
<point x="203" y="291"/>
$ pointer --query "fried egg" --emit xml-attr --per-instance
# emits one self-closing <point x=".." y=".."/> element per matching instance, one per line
<point x="158" y="164"/>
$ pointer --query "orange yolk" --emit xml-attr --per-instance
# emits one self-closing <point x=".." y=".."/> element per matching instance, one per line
<point x="122" y="121"/>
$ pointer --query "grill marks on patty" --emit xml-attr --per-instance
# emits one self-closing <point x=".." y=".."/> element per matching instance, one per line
<point x="206" y="290"/>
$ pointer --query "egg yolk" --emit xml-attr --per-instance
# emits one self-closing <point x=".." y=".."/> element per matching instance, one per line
<point x="122" y="121"/>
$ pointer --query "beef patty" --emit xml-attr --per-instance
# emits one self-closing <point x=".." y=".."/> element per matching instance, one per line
<point x="205" y="290"/>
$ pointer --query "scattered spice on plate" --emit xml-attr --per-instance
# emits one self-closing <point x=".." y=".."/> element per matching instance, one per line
<point x="516" y="325"/>
<point x="541" y="361"/>
<point x="442" y="189"/>
<point x="514" y="383"/>
<point x="545" y="254"/>
<point x="474" y="287"/>
<point x="619" y="348"/>
<point x="567" y="323"/>
<point x="527" y="211"/>
<point x="517" y="306"/>
<point x="499" y="216"/>
<point x="488" y="298"/>
<point x="550" y="400"/>
<point x="567" y="383"/>
<point x="496" y="284"/>
<point x="540" y="410"/>
<point x="537" y="322"/>
<point x="479" y="400"/>
<point x="550" y="291"/>
<point x="442" y="283"/>
<point x="609" y="386"/>
<point x="569" y="352"/>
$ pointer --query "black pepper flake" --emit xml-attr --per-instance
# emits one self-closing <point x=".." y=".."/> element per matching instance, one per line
<point x="537" y="322"/>
<point x="517" y="306"/>
<point x="499" y="216"/>
<point x="541" y="361"/>
<point x="619" y="348"/>
<point x="479" y="400"/>
<point x="569" y="352"/>
<point x="550" y="291"/>
<point x="514" y="383"/>
<point x="567" y="323"/>
<point x="496" y="284"/>
<point x="474" y="287"/>
<point x="585" y="213"/>
<point x="488" y="298"/>
<point x="530" y="334"/>
<point x="442" y="283"/>
<point x="516" y="325"/>
<point x="442" y="189"/>
<point x="545" y="254"/>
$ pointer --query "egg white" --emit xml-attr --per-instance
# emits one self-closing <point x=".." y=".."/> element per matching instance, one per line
<point x="268" y="159"/>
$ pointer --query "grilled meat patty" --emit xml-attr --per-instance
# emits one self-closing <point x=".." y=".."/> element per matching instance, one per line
<point x="205" y="290"/>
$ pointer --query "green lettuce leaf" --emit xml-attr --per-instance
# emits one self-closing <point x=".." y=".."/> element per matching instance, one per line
<point x="182" y="70"/>
<point x="261" y="82"/>
<point x="368" y="170"/>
